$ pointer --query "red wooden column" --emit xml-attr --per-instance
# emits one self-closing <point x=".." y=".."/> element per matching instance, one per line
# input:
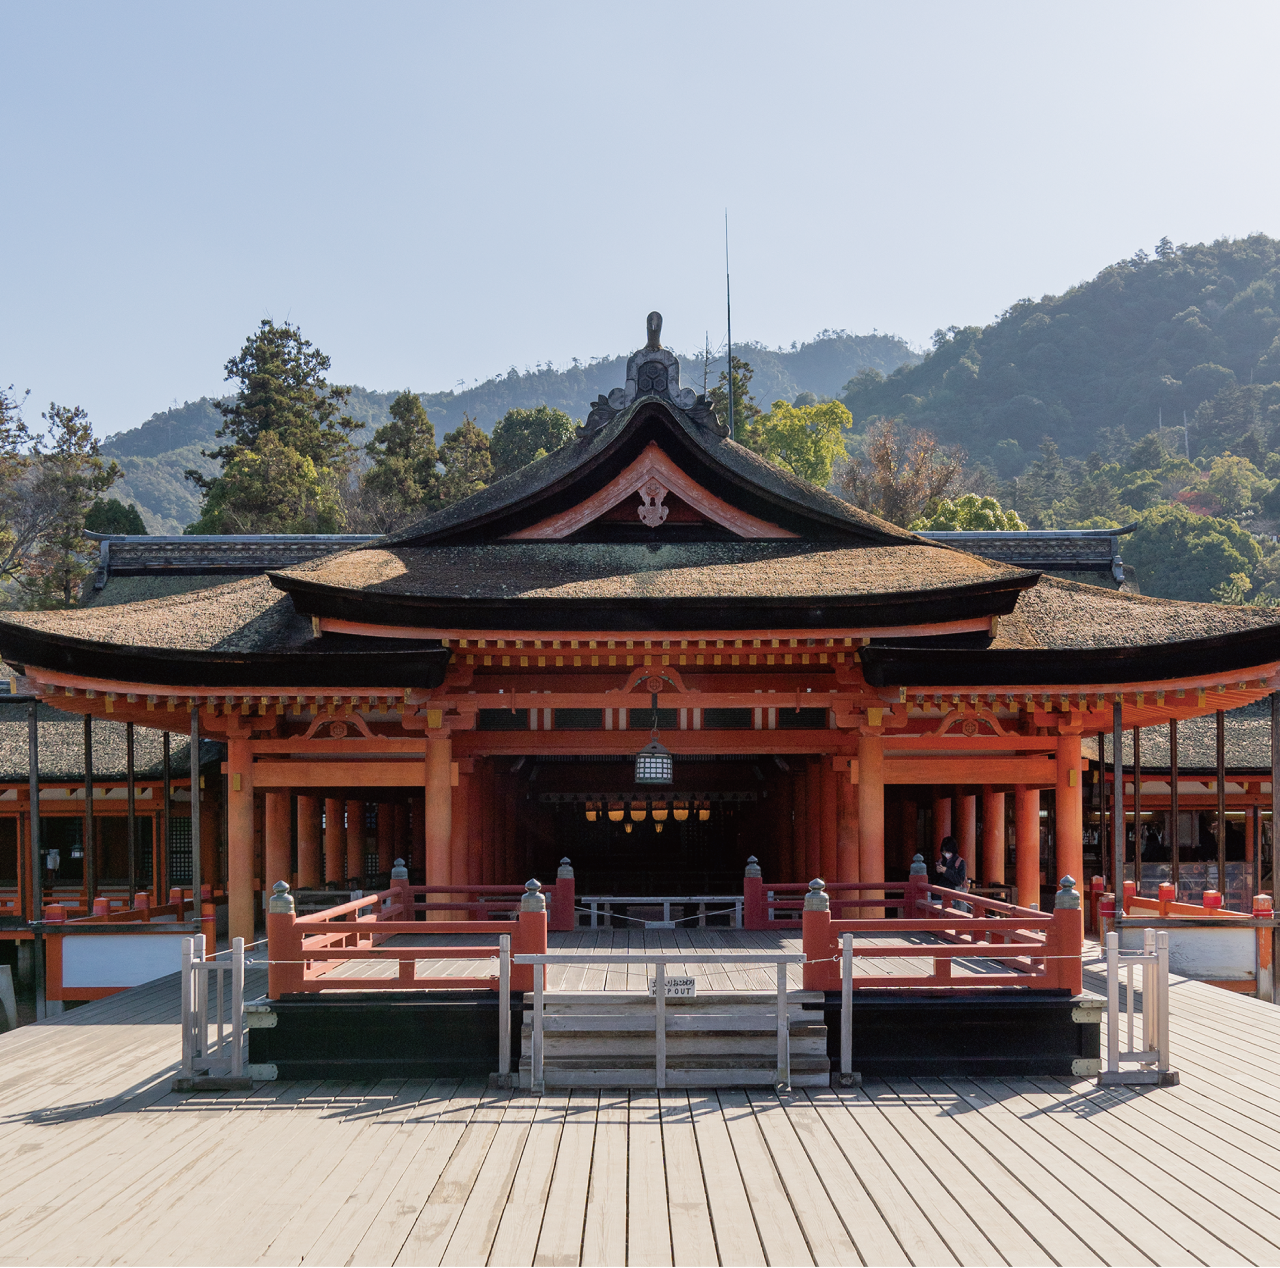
<point x="240" y="839"/>
<point x="335" y="839"/>
<point x="847" y="862"/>
<point x="871" y="816"/>
<point x="941" y="822"/>
<point x="1069" y="811"/>
<point x="992" y="836"/>
<point x="966" y="831"/>
<point x="460" y="823"/>
<point x="438" y="815"/>
<point x="487" y="783"/>
<point x="813" y="819"/>
<point x="475" y="825"/>
<point x="828" y="817"/>
<point x="386" y="836"/>
<point x="355" y="838"/>
<point x="308" y="843"/>
<point x="799" y="827"/>
<point x="1026" y="828"/>
<point x="278" y="864"/>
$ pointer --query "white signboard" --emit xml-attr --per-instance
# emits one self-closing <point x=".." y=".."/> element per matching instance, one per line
<point x="677" y="987"/>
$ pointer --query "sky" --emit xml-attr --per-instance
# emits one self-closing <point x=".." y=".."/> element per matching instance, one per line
<point x="434" y="193"/>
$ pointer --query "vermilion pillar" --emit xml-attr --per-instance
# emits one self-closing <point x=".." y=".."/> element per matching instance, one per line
<point x="1026" y="828"/>
<point x="240" y="840"/>
<point x="966" y="831"/>
<point x="355" y="839"/>
<point x="827" y="818"/>
<point x="1069" y="811"/>
<point x="992" y="836"/>
<point x="276" y="831"/>
<point x="813" y="820"/>
<point x="386" y="836"/>
<point x="847" y="862"/>
<point x="438" y="814"/>
<point x="871" y="816"/>
<point x="460" y="825"/>
<point x="799" y="824"/>
<point x="941" y="822"/>
<point x="308" y="843"/>
<point x="489" y="865"/>
<point x="335" y="839"/>
<point x="475" y="824"/>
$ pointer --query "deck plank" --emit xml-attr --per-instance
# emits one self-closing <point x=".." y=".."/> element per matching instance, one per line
<point x="604" y="1230"/>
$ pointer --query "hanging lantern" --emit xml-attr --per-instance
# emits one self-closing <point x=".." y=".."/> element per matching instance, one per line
<point x="657" y="827"/>
<point x="591" y="816"/>
<point x="627" y="826"/>
<point x="615" y="814"/>
<point x="654" y="764"/>
<point x="680" y="811"/>
<point x="704" y="813"/>
<point x="638" y="811"/>
<point x="659" y="813"/>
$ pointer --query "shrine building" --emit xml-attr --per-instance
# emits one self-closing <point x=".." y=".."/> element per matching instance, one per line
<point x="800" y="681"/>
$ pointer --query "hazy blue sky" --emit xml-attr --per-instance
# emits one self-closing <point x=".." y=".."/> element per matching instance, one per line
<point x="436" y="192"/>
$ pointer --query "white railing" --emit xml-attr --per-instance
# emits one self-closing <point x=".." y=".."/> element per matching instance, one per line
<point x="593" y="905"/>
<point x="688" y="1022"/>
<point x="1152" y="1058"/>
<point x="212" y="1012"/>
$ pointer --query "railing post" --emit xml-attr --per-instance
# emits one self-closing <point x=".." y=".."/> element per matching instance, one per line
<point x="917" y="894"/>
<point x="284" y="944"/>
<point x="784" y="1032"/>
<point x="1168" y="893"/>
<point x="504" y="1010"/>
<point x="188" y="979"/>
<point x="561" y="915"/>
<point x="660" y="1024"/>
<point x="537" y="1079"/>
<point x="1265" y="975"/>
<point x="816" y="939"/>
<point x="753" y="908"/>
<point x="400" y="881"/>
<point x="1113" y="1001"/>
<point x="1162" y="989"/>
<point x="237" y="1007"/>
<point x="1130" y="890"/>
<point x="846" y="1009"/>
<point x="1064" y="940"/>
<point x="530" y="938"/>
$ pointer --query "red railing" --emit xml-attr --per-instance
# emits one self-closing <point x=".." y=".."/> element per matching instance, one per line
<point x="779" y="906"/>
<point x="560" y="897"/>
<point x="305" y="953"/>
<point x="1040" y="950"/>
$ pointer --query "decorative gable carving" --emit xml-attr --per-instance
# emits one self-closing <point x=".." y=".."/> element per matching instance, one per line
<point x="651" y="476"/>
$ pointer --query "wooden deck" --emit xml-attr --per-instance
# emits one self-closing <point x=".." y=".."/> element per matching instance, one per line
<point x="104" y="1165"/>
<point x="635" y="977"/>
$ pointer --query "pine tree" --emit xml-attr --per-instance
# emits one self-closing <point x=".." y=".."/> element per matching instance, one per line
<point x="405" y="458"/>
<point x="467" y="465"/>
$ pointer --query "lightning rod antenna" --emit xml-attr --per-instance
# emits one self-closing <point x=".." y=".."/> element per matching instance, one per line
<point x="728" y="310"/>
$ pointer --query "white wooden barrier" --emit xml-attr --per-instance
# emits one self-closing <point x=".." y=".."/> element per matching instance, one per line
<point x="783" y="1076"/>
<point x="593" y="904"/>
<point x="1152" y="1058"/>
<point x="212" y="1012"/>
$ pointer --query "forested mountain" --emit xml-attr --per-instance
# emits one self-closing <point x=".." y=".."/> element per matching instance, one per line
<point x="155" y="454"/>
<point x="1140" y="346"/>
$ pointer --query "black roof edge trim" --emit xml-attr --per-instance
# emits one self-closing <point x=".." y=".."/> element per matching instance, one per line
<point x="422" y="667"/>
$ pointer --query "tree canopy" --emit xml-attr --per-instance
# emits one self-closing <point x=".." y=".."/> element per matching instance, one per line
<point x="969" y="513"/>
<point x="805" y="439"/>
<point x="523" y="435"/>
<point x="113" y="516"/>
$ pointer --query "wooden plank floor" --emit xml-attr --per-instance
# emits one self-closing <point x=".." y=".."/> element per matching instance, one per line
<point x="634" y="977"/>
<point x="103" y="1165"/>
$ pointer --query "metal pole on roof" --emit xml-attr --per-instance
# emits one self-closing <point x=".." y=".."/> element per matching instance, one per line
<point x="728" y="311"/>
<point x="1117" y="804"/>
<point x="1221" y="783"/>
<point x="37" y="882"/>
<point x="90" y="863"/>
<point x="194" y="762"/>
<point x="132" y="829"/>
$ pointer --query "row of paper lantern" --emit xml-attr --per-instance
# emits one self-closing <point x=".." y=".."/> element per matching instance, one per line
<point x="638" y="811"/>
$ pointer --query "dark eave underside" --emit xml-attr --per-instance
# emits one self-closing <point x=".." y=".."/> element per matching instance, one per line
<point x="382" y="663"/>
<point x="910" y="608"/>
<point x="898" y="666"/>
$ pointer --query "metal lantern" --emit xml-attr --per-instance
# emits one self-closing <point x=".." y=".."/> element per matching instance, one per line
<point x="654" y="765"/>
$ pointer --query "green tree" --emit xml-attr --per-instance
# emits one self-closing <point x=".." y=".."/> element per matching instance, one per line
<point x="467" y="465"/>
<point x="70" y="475"/>
<point x="21" y="518"/>
<point x="1181" y="555"/>
<point x="806" y="439"/>
<point x="283" y="393"/>
<point x="970" y="514"/>
<point x="405" y="458"/>
<point x="745" y="409"/>
<point x="522" y="436"/>
<point x="269" y="487"/>
<point x="1236" y="484"/>
<point x="114" y="517"/>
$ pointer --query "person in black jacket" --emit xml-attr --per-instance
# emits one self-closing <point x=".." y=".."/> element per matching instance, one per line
<point x="951" y="870"/>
